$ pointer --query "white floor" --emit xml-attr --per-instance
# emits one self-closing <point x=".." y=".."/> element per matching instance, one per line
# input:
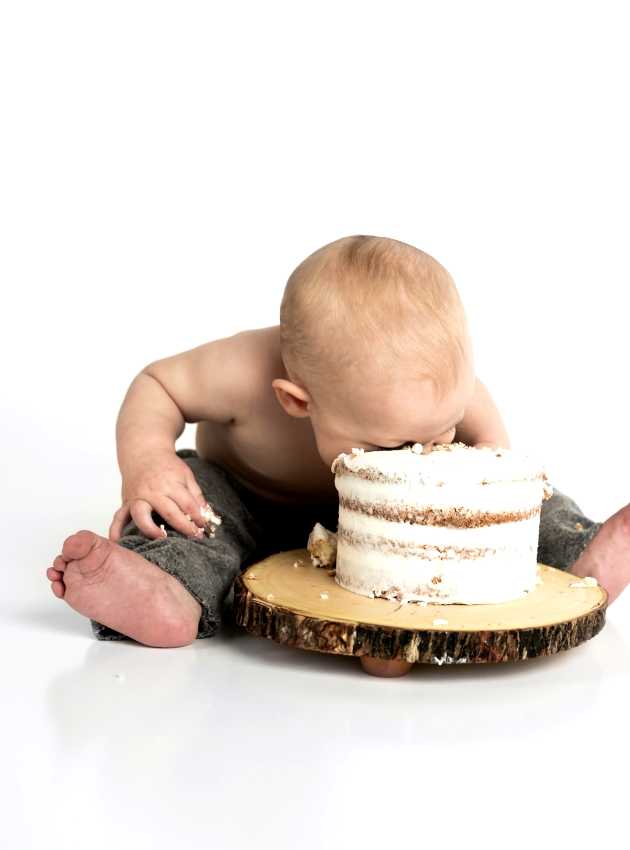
<point x="236" y="739"/>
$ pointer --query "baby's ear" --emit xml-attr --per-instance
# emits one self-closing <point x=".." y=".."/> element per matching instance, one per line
<point x="293" y="399"/>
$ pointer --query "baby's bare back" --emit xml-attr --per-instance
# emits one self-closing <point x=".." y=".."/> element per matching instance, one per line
<point x="270" y="452"/>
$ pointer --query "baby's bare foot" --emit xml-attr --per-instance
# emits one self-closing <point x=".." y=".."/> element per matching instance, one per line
<point x="122" y="590"/>
<point x="607" y="557"/>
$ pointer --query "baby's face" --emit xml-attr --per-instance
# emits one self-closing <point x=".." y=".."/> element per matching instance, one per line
<point x="377" y="416"/>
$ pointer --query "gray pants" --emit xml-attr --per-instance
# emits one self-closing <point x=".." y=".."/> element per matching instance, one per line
<point x="254" y="527"/>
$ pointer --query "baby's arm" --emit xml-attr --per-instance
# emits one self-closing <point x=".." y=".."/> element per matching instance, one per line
<point x="201" y="384"/>
<point x="482" y="423"/>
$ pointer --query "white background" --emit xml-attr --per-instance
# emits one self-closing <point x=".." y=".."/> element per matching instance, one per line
<point x="164" y="166"/>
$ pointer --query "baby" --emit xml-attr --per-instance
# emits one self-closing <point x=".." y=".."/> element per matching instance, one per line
<point x="372" y="351"/>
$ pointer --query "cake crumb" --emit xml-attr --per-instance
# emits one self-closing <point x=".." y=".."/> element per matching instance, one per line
<point x="579" y="526"/>
<point x="322" y="546"/>
<point x="587" y="581"/>
<point x="440" y="621"/>
<point x="323" y="596"/>
<point x="298" y="563"/>
<point x="210" y="518"/>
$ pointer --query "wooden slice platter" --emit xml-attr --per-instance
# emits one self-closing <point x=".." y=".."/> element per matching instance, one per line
<point x="288" y="600"/>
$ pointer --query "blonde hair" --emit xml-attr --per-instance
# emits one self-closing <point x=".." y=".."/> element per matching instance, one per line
<point x="369" y="301"/>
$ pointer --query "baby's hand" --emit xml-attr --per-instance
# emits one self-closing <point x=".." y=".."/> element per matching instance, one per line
<point x="160" y="481"/>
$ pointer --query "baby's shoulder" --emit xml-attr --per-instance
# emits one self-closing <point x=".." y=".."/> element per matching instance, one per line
<point x="223" y="379"/>
<point x="258" y="349"/>
<point x="255" y="356"/>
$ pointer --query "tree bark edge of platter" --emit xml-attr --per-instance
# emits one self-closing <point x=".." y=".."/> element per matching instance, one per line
<point x="281" y="625"/>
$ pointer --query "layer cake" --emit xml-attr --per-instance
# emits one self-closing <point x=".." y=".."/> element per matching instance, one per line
<point x="453" y="525"/>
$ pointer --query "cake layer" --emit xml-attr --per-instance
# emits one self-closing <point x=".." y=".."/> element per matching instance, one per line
<point x="502" y="497"/>
<point x="492" y="578"/>
<point x="495" y="536"/>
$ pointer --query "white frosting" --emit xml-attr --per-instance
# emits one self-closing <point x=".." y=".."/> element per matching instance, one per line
<point x="454" y="462"/>
<point x="211" y="519"/>
<point x="208" y="515"/>
<point x="499" y="497"/>
<point x="587" y="581"/>
<point x="493" y="578"/>
<point x="373" y="564"/>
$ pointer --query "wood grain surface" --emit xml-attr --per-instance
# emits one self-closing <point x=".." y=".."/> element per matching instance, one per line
<point x="286" y="599"/>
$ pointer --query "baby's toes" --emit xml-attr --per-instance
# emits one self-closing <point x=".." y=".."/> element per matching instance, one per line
<point x="55" y="572"/>
<point x="58" y="588"/>
<point x="55" y="576"/>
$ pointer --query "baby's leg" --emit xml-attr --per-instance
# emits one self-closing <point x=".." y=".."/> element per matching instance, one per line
<point x="565" y="531"/>
<point x="573" y="542"/>
<point x="190" y="576"/>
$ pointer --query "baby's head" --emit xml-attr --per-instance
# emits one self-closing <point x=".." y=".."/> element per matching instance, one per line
<point x="375" y="345"/>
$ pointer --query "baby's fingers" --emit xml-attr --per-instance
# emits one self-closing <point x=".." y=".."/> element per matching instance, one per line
<point x="141" y="513"/>
<point x="118" y="522"/>
<point x="176" y="517"/>
<point x="184" y="499"/>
